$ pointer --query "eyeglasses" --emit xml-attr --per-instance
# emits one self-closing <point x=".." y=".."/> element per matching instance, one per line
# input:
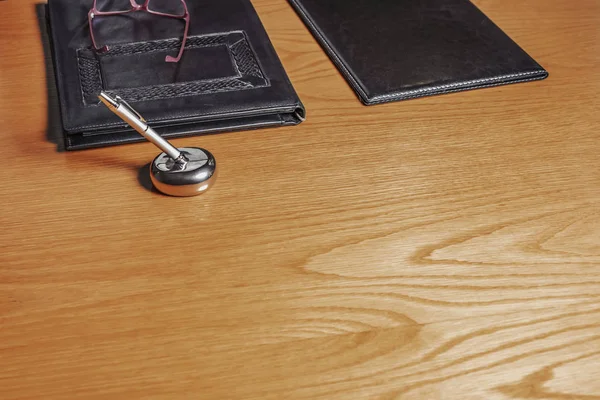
<point x="164" y="8"/>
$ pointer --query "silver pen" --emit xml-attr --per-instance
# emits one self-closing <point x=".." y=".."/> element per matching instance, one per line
<point x="137" y="122"/>
<point x="188" y="171"/>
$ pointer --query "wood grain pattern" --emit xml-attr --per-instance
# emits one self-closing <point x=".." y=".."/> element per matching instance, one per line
<point x="440" y="248"/>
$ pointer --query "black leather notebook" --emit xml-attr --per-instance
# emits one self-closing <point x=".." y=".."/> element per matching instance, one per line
<point x="229" y="77"/>
<point x="391" y="50"/>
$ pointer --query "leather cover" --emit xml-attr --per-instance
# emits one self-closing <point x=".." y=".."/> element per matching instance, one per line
<point x="391" y="50"/>
<point x="229" y="77"/>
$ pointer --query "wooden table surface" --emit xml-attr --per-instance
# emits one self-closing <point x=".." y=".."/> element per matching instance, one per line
<point x="440" y="248"/>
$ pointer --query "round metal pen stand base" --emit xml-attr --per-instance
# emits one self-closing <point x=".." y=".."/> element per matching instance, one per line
<point x="192" y="174"/>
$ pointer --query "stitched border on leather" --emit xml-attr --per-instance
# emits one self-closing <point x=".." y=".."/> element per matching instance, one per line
<point x="460" y="86"/>
<point x="250" y="75"/>
<point x="462" y="89"/>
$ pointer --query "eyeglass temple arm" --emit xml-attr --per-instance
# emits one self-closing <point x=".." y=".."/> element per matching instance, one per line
<point x="91" y="14"/>
<point x="185" y="34"/>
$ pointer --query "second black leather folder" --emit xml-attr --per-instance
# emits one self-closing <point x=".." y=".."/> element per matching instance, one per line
<point x="391" y="50"/>
<point x="229" y="77"/>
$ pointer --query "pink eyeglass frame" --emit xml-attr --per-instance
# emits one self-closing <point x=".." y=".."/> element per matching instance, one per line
<point x="136" y="7"/>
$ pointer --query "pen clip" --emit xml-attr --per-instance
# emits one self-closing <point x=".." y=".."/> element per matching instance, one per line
<point x="126" y="104"/>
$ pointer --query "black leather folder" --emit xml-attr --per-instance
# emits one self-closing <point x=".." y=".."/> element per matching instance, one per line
<point x="229" y="77"/>
<point x="390" y="50"/>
